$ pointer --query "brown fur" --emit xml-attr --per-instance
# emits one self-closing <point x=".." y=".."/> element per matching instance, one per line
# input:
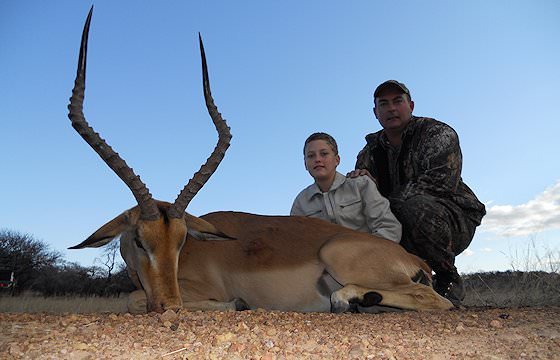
<point x="275" y="262"/>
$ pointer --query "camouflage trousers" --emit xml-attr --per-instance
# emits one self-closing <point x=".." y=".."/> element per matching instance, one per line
<point x="434" y="229"/>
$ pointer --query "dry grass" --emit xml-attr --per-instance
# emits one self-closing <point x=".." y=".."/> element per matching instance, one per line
<point x="533" y="281"/>
<point x="529" y="287"/>
<point x="493" y="289"/>
<point x="59" y="305"/>
<point x="512" y="289"/>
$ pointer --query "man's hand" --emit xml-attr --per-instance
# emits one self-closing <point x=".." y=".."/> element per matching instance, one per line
<point x="360" y="172"/>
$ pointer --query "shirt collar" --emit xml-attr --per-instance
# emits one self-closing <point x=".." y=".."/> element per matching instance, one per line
<point x="314" y="190"/>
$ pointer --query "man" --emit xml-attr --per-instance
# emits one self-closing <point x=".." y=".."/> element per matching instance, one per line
<point x="416" y="162"/>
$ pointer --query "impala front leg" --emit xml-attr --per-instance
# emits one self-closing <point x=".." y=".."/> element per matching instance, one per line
<point x="137" y="302"/>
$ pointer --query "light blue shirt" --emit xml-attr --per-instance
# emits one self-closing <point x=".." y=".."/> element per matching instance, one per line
<point x="351" y="202"/>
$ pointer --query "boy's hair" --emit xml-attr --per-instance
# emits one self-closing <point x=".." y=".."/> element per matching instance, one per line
<point x="322" y="136"/>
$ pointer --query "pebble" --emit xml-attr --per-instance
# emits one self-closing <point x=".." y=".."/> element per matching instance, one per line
<point x="214" y="335"/>
<point x="496" y="324"/>
<point x="168" y="315"/>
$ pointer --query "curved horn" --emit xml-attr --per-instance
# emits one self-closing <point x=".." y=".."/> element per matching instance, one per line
<point x="224" y="137"/>
<point x="145" y="201"/>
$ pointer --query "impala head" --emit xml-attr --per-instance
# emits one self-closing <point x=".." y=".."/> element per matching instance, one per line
<point x="153" y="232"/>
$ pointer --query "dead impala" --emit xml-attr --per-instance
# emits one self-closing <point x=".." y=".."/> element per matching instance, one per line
<point x="233" y="260"/>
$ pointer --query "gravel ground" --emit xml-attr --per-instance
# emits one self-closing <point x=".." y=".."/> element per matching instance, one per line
<point x="527" y="333"/>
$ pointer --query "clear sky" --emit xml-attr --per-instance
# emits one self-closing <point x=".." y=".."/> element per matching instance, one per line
<point x="279" y="71"/>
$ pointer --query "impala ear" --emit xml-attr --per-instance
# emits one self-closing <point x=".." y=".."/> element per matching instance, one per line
<point x="110" y="230"/>
<point x="203" y="230"/>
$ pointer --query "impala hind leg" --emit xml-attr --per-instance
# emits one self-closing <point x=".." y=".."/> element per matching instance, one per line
<point x="351" y="296"/>
<point x="411" y="296"/>
<point x="354" y="298"/>
<point x="414" y="296"/>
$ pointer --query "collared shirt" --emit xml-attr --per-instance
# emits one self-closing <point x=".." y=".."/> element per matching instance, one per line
<point x="428" y="161"/>
<point x="351" y="202"/>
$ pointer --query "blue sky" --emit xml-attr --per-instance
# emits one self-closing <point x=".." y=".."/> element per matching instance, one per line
<point x="279" y="71"/>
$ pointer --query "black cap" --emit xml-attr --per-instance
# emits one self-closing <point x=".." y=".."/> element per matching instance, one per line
<point x="393" y="83"/>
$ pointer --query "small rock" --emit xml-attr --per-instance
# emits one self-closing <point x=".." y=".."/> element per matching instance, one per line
<point x="496" y="324"/>
<point x="309" y="345"/>
<point x="388" y="354"/>
<point x="80" y="355"/>
<point x="15" y="350"/>
<point x="242" y="326"/>
<point x="71" y="329"/>
<point x="227" y="337"/>
<point x="236" y="347"/>
<point x="356" y="352"/>
<point x="81" y="346"/>
<point x="169" y="315"/>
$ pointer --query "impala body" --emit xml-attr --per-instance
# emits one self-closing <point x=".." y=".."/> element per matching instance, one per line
<point x="233" y="260"/>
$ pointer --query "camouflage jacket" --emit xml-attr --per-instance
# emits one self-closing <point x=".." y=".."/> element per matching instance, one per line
<point x="428" y="161"/>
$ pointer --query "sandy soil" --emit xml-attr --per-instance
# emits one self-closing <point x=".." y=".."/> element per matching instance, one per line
<point x="529" y="333"/>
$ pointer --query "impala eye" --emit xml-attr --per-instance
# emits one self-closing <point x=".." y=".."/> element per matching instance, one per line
<point x="139" y="244"/>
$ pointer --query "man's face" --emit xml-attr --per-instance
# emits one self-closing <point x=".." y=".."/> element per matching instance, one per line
<point x="393" y="109"/>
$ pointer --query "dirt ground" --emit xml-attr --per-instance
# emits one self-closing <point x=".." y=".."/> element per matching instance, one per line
<point x="527" y="333"/>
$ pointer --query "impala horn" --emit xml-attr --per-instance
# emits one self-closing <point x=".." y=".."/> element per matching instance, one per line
<point x="224" y="137"/>
<point x="148" y="206"/>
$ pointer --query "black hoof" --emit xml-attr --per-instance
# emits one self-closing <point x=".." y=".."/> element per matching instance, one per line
<point x="371" y="298"/>
<point x="240" y="305"/>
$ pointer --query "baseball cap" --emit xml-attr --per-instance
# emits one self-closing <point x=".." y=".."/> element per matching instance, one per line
<point x="393" y="83"/>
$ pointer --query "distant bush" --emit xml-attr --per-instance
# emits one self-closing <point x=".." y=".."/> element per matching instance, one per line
<point x="26" y="256"/>
<point x="43" y="271"/>
<point x="74" y="280"/>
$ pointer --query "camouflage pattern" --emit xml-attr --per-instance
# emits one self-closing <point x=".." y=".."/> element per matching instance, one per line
<point x="422" y="180"/>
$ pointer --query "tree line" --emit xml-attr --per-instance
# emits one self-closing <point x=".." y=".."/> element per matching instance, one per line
<point x="40" y="270"/>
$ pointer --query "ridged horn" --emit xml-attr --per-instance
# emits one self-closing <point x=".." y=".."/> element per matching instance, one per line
<point x="208" y="168"/>
<point x="148" y="207"/>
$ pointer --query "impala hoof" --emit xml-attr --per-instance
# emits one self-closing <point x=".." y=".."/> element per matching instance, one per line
<point x="338" y="304"/>
<point x="240" y="305"/>
<point x="339" y="307"/>
<point x="370" y="299"/>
